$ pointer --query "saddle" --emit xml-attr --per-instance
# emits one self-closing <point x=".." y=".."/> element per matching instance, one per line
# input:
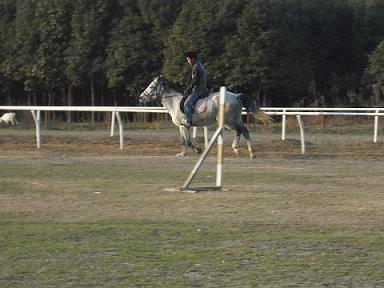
<point x="200" y="106"/>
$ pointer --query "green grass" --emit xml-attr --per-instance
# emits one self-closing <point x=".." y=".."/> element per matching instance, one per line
<point x="83" y="221"/>
<point x="142" y="254"/>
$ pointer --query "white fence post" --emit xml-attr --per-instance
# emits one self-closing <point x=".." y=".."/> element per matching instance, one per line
<point x="36" y="118"/>
<point x="283" y="125"/>
<point x="302" y="136"/>
<point x="206" y="136"/>
<point x="121" y="130"/>
<point x="376" y="127"/>
<point x="113" y="123"/>
<point x="194" y="132"/>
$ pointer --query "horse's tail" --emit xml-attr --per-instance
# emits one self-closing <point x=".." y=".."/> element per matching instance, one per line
<point x="252" y="107"/>
<point x="250" y="104"/>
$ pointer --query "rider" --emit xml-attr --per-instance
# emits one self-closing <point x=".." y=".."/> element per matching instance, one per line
<point x="196" y="89"/>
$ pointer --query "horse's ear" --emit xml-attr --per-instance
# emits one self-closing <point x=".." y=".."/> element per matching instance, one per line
<point x="162" y="79"/>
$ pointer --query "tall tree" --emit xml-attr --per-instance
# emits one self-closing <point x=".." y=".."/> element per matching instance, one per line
<point x="375" y="69"/>
<point x="85" y="56"/>
<point x="203" y="26"/>
<point x="54" y="33"/>
<point x="26" y="45"/>
<point x="249" y="52"/>
<point x="161" y="14"/>
<point x="132" y="52"/>
<point x="8" y="68"/>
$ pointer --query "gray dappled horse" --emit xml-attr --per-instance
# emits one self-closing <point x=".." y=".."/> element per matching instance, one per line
<point x="205" y="113"/>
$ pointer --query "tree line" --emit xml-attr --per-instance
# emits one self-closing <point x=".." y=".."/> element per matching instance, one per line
<point x="104" y="52"/>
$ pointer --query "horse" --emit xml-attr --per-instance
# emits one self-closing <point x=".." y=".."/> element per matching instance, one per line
<point x="205" y="113"/>
<point x="9" y="118"/>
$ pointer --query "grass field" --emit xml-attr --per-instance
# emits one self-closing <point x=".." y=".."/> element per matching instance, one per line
<point x="80" y="213"/>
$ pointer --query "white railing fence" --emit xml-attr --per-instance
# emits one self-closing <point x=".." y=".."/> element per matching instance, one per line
<point x="279" y="111"/>
<point x="298" y="112"/>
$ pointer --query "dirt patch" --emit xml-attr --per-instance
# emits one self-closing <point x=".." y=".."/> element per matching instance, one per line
<point x="165" y="142"/>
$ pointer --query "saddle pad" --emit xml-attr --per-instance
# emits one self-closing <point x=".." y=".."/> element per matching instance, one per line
<point x="201" y="105"/>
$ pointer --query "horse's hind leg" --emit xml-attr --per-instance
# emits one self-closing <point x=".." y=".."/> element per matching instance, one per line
<point x="236" y="139"/>
<point x="245" y="133"/>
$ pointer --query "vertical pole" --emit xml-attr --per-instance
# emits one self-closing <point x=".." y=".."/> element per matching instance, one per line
<point x="36" y="118"/>
<point x="194" y="132"/>
<point x="218" y="134"/>
<point x="376" y="128"/>
<point x="283" y="125"/>
<point x="201" y="160"/>
<point x="302" y="136"/>
<point x="220" y="140"/>
<point x="113" y="123"/>
<point x="206" y="136"/>
<point x="121" y="130"/>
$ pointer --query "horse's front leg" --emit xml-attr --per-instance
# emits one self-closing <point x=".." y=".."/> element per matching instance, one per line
<point x="183" y="152"/>
<point x="186" y="141"/>
<point x="189" y="141"/>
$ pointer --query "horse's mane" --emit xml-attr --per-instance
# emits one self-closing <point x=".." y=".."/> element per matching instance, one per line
<point x="169" y="85"/>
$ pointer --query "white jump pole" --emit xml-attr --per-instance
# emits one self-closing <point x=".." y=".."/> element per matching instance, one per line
<point x="219" y="136"/>
<point x="220" y="140"/>
<point x="36" y="118"/>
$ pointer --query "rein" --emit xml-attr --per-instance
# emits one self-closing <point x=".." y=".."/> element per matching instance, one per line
<point x="159" y="90"/>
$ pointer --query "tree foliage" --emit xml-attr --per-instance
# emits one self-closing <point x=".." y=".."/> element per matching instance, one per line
<point x="128" y="56"/>
<point x="375" y="69"/>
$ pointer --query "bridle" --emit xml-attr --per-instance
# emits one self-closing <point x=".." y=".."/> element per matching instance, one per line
<point x="159" y="90"/>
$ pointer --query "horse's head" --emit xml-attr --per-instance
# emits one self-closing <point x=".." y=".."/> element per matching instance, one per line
<point x="154" y="91"/>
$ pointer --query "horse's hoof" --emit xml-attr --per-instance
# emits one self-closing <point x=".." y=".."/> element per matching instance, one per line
<point x="253" y="156"/>
<point x="197" y="149"/>
<point x="181" y="154"/>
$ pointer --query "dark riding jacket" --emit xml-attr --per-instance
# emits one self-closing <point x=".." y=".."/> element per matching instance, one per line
<point x="199" y="80"/>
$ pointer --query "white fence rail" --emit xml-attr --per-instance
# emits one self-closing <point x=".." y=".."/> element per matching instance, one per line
<point x="280" y="111"/>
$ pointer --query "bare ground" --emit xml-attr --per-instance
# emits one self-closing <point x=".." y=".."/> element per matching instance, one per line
<point x="81" y="213"/>
<point x="337" y="183"/>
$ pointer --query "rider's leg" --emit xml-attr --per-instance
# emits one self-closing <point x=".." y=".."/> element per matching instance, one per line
<point x="189" y="104"/>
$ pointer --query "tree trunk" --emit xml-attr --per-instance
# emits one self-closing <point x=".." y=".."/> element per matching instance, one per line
<point x="114" y="97"/>
<point x="46" y="113"/>
<point x="34" y="98"/>
<point x="92" y="101"/>
<point x="377" y="95"/>
<point x="9" y="98"/>
<point x="69" y="98"/>
<point x="101" y="115"/>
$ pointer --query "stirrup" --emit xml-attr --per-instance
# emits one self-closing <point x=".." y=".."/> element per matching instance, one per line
<point x="185" y="123"/>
